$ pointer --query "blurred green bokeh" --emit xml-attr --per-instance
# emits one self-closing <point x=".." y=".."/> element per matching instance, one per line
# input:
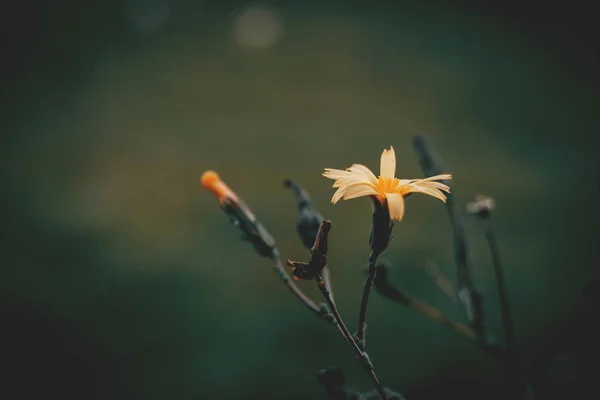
<point x="121" y="278"/>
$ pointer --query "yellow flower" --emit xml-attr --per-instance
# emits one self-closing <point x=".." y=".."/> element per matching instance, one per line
<point x="358" y="181"/>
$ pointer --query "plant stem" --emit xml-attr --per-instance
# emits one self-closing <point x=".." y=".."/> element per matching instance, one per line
<point x="440" y="280"/>
<point x="512" y="362"/>
<point x="327" y="280"/>
<point x="360" y="354"/>
<point x="362" y="316"/>
<point x="468" y="294"/>
<point x="437" y="316"/>
<point x="386" y="289"/>
<point x="284" y="277"/>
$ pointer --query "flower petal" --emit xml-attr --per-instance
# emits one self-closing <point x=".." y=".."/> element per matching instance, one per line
<point x="351" y="180"/>
<point x="395" y="203"/>
<point x="337" y="195"/>
<point x="352" y="191"/>
<point x="360" y="190"/>
<point x="417" y="187"/>
<point x="332" y="173"/>
<point x="436" y="185"/>
<point x="387" y="165"/>
<point x="443" y="177"/>
<point x="365" y="172"/>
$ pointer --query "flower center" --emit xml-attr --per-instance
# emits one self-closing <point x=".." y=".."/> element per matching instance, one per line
<point x="386" y="185"/>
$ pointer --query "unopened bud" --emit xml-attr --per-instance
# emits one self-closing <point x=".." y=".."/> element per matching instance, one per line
<point x="240" y="215"/>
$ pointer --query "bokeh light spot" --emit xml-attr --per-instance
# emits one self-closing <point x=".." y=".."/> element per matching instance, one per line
<point x="257" y="27"/>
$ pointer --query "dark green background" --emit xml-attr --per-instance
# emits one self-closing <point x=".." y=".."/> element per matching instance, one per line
<point x="122" y="279"/>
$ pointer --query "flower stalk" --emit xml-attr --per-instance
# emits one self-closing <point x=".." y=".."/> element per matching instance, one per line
<point x="364" y="302"/>
<point x="468" y="295"/>
<point x="511" y="364"/>
<point x="313" y="269"/>
<point x="291" y="285"/>
<point x="381" y="234"/>
<point x="361" y="355"/>
<point x="440" y="280"/>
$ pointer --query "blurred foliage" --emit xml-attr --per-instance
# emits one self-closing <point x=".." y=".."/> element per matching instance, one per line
<point x="120" y="276"/>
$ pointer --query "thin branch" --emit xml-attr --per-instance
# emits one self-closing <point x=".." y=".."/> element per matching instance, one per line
<point x="360" y="354"/>
<point x="512" y="364"/>
<point x="437" y="316"/>
<point x="327" y="279"/>
<point x="362" y="316"/>
<point x="440" y="280"/>
<point x="309" y="221"/>
<point x="284" y="277"/>
<point x="386" y="289"/>
<point x="467" y="293"/>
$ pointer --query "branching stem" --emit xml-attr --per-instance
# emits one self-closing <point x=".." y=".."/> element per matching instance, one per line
<point x="285" y="278"/>
<point x="361" y="355"/>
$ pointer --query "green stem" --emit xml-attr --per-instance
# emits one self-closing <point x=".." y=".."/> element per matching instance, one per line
<point x="284" y="277"/>
<point x="512" y="365"/>
<point x="362" y="356"/>
<point x="437" y="316"/>
<point x="327" y="279"/>
<point x="362" y="316"/>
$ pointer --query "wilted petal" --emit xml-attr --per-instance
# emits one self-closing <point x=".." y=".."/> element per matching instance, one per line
<point x="395" y="203"/>
<point x="387" y="166"/>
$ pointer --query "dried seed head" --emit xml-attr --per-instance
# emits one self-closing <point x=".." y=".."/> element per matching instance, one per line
<point x="481" y="206"/>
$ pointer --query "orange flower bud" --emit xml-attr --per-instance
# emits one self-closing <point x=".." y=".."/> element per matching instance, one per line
<point x="213" y="183"/>
<point x="240" y="215"/>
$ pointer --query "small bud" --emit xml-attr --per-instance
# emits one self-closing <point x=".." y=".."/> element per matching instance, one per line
<point x="381" y="227"/>
<point x="482" y="206"/>
<point x="240" y="215"/>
